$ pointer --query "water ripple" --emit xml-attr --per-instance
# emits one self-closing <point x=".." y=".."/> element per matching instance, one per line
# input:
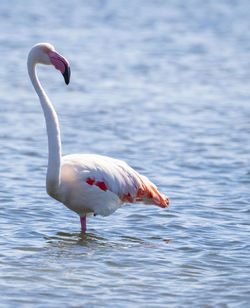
<point x="164" y="86"/>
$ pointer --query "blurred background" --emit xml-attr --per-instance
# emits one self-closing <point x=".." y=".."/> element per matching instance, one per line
<point x="163" y="85"/>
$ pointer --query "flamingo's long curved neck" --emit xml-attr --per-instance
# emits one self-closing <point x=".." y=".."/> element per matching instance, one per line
<point x="53" y="131"/>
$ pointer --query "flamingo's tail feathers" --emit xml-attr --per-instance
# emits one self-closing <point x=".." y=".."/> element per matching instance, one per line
<point x="148" y="193"/>
<point x="158" y="198"/>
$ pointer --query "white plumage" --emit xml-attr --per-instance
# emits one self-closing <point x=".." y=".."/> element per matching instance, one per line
<point x="85" y="183"/>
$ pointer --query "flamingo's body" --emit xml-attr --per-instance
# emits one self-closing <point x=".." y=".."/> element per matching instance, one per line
<point x="86" y="183"/>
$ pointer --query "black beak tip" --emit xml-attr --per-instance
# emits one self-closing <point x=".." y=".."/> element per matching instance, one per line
<point x="66" y="74"/>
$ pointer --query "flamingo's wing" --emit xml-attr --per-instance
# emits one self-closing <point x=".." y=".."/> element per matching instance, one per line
<point x="107" y="180"/>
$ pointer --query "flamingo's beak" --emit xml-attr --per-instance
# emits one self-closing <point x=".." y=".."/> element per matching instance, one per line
<point x="60" y="64"/>
<point x="66" y="74"/>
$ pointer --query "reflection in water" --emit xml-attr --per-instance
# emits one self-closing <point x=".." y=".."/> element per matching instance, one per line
<point x="81" y="239"/>
<point x="91" y="240"/>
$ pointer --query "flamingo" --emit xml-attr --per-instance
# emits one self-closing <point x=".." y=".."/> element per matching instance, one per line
<point x="87" y="184"/>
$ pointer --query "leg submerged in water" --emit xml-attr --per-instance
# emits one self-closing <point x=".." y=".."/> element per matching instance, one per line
<point x="83" y="223"/>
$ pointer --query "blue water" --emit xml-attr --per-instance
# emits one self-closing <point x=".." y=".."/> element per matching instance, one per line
<point x="164" y="85"/>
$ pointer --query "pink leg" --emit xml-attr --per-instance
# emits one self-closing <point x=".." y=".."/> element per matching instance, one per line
<point x="83" y="223"/>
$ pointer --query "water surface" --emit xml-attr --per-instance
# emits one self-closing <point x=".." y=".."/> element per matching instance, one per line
<point x="163" y="85"/>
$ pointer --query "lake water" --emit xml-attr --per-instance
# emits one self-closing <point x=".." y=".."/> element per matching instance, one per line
<point x="163" y="85"/>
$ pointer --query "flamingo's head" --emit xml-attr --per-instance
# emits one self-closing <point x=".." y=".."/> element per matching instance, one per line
<point x="45" y="53"/>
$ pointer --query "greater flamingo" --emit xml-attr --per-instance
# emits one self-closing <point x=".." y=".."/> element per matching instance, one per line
<point x="86" y="183"/>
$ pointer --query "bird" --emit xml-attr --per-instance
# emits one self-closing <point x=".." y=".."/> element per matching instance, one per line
<point x="88" y="184"/>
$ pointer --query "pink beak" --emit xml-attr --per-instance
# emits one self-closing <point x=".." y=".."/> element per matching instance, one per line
<point x="60" y="64"/>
